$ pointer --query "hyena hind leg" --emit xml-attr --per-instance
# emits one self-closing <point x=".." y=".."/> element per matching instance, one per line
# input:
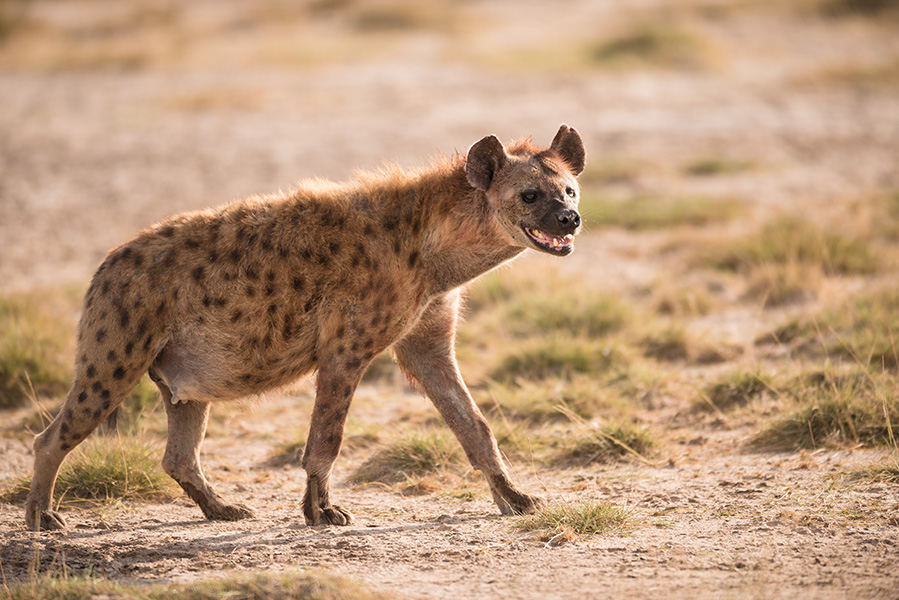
<point x="83" y="410"/>
<point x="186" y="429"/>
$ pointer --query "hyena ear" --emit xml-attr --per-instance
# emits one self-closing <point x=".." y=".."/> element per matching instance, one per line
<point x="485" y="159"/>
<point x="569" y="146"/>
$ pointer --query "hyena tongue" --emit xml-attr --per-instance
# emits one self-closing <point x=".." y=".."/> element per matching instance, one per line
<point x="553" y="241"/>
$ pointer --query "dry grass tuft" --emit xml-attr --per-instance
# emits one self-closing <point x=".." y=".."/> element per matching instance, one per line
<point x="836" y="410"/>
<point x="609" y="443"/>
<point x="35" y="337"/>
<point x="558" y="356"/>
<point x="737" y="388"/>
<point x="792" y="240"/>
<point x="657" y="44"/>
<point x="106" y="468"/>
<point x="560" y="522"/>
<point x="283" y="586"/>
<point x="412" y="455"/>
<point x="653" y="212"/>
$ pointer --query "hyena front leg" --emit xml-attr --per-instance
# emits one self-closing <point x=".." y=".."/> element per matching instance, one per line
<point x="426" y="354"/>
<point x="186" y="428"/>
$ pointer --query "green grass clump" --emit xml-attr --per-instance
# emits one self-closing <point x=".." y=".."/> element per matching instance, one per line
<point x="524" y="303"/>
<point x="283" y="586"/>
<point x="557" y="356"/>
<point x="737" y="388"/>
<point x="642" y="213"/>
<point x="609" y="443"/>
<point x="709" y="167"/>
<point x="654" y="44"/>
<point x="568" y="521"/>
<point x="106" y="468"/>
<point x="413" y="455"/>
<point x="862" y="331"/>
<point x="34" y="339"/>
<point x="549" y="400"/>
<point x="792" y="240"/>
<point x="836" y="411"/>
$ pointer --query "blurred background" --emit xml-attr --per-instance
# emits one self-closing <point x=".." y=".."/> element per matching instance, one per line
<point x="116" y="114"/>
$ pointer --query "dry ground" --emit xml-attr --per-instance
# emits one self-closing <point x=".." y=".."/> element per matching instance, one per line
<point x="112" y="118"/>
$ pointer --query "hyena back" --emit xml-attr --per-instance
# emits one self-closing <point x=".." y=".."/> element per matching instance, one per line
<point x="220" y="304"/>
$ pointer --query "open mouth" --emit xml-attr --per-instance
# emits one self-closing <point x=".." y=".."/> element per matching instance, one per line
<point x="551" y="243"/>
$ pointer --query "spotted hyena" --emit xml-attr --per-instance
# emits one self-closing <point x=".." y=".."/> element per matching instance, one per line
<point x="230" y="302"/>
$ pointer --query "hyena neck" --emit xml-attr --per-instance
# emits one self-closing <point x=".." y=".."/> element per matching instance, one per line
<point x="463" y="238"/>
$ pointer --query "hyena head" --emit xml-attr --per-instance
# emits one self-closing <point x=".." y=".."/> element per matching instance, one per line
<point x="534" y="192"/>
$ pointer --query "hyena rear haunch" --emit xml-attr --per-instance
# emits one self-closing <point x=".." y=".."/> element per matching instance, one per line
<point x="229" y="302"/>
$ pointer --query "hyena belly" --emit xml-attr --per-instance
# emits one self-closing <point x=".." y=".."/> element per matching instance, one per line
<point x="224" y="361"/>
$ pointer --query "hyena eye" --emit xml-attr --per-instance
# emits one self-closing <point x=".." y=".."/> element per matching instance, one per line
<point x="570" y="192"/>
<point x="529" y="196"/>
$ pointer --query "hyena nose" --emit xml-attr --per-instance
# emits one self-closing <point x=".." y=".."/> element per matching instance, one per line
<point x="569" y="218"/>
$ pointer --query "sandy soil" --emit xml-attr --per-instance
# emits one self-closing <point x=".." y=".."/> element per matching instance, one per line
<point x="89" y="157"/>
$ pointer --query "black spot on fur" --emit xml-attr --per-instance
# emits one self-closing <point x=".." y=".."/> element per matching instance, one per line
<point x="191" y="243"/>
<point x="97" y="387"/>
<point x="101" y="335"/>
<point x="142" y="328"/>
<point x="251" y="273"/>
<point x="390" y="222"/>
<point x="105" y="395"/>
<point x="105" y="405"/>
<point x="297" y="284"/>
<point x="160" y="309"/>
<point x="111" y="355"/>
<point x="234" y="255"/>
<point x="64" y="447"/>
<point x="368" y="230"/>
<point x="138" y="259"/>
<point x="207" y="300"/>
<point x="91" y="371"/>
<point x="98" y="413"/>
<point x="340" y="350"/>
<point x="353" y="363"/>
<point x="340" y="332"/>
<point x="213" y="257"/>
<point x="236" y="316"/>
<point x="413" y="258"/>
<point x="220" y="302"/>
<point x="269" y="290"/>
<point x="199" y="273"/>
<point x="119" y="373"/>
<point x="334" y="247"/>
<point x="124" y="318"/>
<point x="64" y="428"/>
<point x="149" y="341"/>
<point x="82" y="397"/>
<point x="396" y="246"/>
<point x="250" y="291"/>
<point x="272" y="308"/>
<point x="129" y="347"/>
<point x="105" y="287"/>
<point x="167" y="231"/>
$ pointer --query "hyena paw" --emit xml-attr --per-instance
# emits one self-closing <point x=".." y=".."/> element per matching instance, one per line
<point x="50" y="520"/>
<point x="521" y="504"/>
<point x="230" y="512"/>
<point x="331" y="515"/>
